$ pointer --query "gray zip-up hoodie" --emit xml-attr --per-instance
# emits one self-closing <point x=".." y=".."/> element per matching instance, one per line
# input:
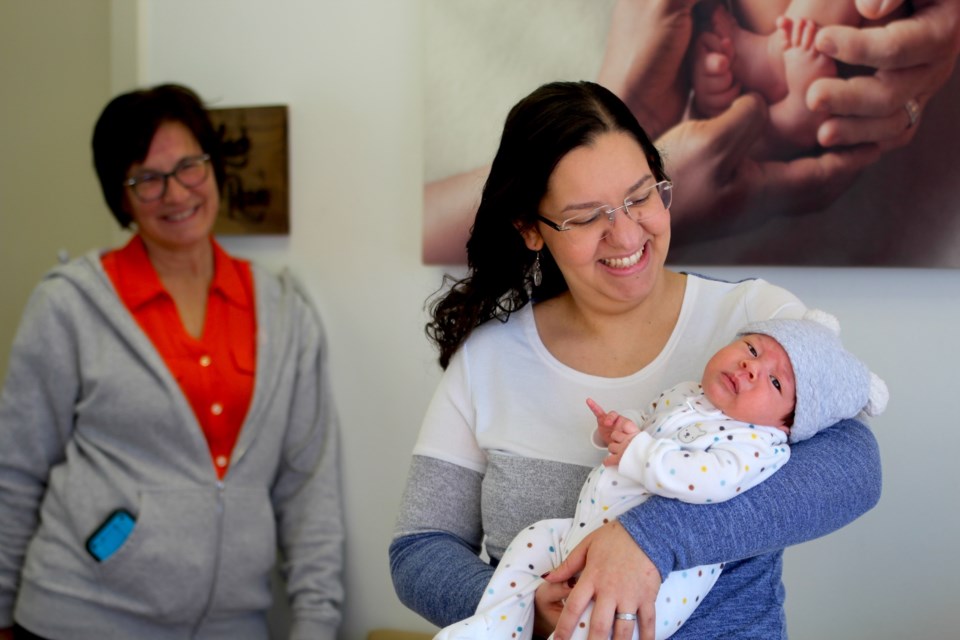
<point x="91" y="420"/>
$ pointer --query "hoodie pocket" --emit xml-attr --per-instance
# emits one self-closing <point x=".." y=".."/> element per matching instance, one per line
<point x="165" y="569"/>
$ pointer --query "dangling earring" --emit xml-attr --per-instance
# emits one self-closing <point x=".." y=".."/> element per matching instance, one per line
<point x="537" y="273"/>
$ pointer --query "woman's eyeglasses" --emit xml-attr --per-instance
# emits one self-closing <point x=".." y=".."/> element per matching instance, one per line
<point x="642" y="205"/>
<point x="152" y="185"/>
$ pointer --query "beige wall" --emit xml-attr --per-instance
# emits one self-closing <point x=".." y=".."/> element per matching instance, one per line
<point x="55" y="75"/>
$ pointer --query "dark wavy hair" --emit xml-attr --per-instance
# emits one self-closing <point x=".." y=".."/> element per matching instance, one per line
<point x="126" y="127"/>
<point x="539" y="131"/>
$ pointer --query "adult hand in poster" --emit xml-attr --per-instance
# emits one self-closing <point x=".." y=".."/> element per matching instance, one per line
<point x="449" y="206"/>
<point x="644" y="56"/>
<point x="914" y="56"/>
<point x="721" y="188"/>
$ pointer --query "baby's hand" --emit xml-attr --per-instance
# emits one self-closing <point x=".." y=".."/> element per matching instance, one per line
<point x="615" y="431"/>
<point x="606" y="420"/>
<point x="624" y="431"/>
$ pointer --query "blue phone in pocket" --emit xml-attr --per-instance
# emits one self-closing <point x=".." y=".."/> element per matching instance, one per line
<point x="111" y="535"/>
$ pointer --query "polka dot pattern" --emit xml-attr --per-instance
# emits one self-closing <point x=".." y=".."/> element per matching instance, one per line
<point x="689" y="451"/>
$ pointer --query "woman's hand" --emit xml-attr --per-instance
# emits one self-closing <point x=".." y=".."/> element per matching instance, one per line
<point x="720" y="188"/>
<point x="914" y="57"/>
<point x="617" y="576"/>
<point x="645" y="51"/>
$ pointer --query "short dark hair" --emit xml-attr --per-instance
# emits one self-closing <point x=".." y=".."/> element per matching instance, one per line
<point x="539" y="131"/>
<point x="126" y="127"/>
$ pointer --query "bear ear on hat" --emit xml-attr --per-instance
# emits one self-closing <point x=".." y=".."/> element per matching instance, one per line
<point x="879" y="394"/>
<point x="822" y="317"/>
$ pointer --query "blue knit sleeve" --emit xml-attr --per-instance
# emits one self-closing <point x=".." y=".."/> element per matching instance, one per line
<point x="438" y="576"/>
<point x="830" y="481"/>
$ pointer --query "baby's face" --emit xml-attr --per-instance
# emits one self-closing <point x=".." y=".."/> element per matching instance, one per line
<point x="751" y="380"/>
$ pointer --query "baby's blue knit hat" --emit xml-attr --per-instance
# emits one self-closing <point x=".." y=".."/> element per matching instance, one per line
<point x="832" y="384"/>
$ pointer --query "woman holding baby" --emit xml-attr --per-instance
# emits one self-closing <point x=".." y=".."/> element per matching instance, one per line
<point x="568" y="255"/>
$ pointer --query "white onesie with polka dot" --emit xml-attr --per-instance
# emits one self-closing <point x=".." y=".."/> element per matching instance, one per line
<point x="687" y="449"/>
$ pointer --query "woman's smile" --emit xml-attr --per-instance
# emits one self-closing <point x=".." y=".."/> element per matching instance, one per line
<point x="625" y="262"/>
<point x="181" y="216"/>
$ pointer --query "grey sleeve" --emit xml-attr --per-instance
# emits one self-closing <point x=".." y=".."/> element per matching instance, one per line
<point x="434" y="558"/>
<point x="441" y="496"/>
<point x="36" y="421"/>
<point x="307" y="493"/>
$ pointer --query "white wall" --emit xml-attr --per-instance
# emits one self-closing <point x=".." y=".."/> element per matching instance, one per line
<point x="351" y="73"/>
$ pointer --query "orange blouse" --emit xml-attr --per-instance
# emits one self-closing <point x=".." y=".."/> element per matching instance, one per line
<point x="216" y="371"/>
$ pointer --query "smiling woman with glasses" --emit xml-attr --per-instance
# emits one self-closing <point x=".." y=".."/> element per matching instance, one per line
<point x="567" y="296"/>
<point x="163" y="444"/>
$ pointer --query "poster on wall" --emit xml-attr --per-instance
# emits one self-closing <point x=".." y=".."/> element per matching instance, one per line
<point x="255" y="193"/>
<point x="895" y="208"/>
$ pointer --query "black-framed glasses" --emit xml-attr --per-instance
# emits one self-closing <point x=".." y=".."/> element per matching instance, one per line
<point x="152" y="185"/>
<point x="638" y="206"/>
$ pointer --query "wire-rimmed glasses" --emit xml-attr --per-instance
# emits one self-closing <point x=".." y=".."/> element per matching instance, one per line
<point x="152" y="185"/>
<point x="643" y="204"/>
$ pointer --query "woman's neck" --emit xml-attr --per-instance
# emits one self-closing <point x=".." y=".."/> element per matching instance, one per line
<point x="186" y="274"/>
<point x="194" y="263"/>
<point x="610" y="342"/>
